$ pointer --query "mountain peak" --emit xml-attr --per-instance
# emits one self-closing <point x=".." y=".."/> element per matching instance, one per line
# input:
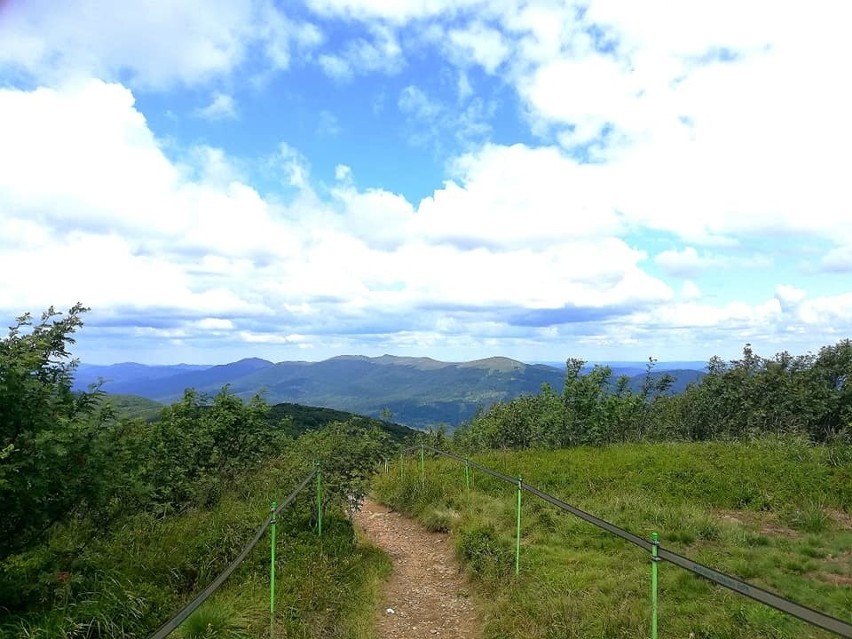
<point x="420" y="363"/>
<point x="500" y="364"/>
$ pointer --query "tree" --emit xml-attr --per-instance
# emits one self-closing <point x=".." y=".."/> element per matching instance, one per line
<point x="198" y="444"/>
<point x="350" y="452"/>
<point x="47" y="432"/>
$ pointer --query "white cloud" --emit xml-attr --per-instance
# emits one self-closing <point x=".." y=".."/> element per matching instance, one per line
<point x="690" y="290"/>
<point x="89" y="190"/>
<point x="789" y="296"/>
<point x="221" y="107"/>
<point x="414" y="101"/>
<point x="398" y="12"/>
<point x="343" y="173"/>
<point x="480" y="44"/>
<point x="360" y="56"/>
<point x="714" y="122"/>
<point x="328" y="124"/>
<point x="699" y="127"/>
<point x="506" y="196"/>
<point x="685" y="262"/>
<point x="838" y="260"/>
<point x="152" y="45"/>
<point x="431" y="121"/>
<point x="336" y="66"/>
<point x="214" y="324"/>
<point x="295" y="165"/>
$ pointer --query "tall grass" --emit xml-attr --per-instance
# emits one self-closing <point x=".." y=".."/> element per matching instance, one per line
<point x="772" y="512"/>
<point x="126" y="580"/>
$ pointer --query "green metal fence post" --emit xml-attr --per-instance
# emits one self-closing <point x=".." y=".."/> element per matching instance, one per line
<point x="467" y="475"/>
<point x="655" y="544"/>
<point x="422" y="467"/>
<point x="518" y="533"/>
<point x="319" y="499"/>
<point x="272" y="572"/>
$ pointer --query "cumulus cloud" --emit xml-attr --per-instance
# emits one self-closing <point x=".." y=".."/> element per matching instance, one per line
<point x="838" y="260"/>
<point x="150" y="45"/>
<point x="713" y="122"/>
<point x="134" y="231"/>
<point x="698" y="130"/>
<point x="505" y="196"/>
<point x="479" y="44"/>
<point x="685" y="262"/>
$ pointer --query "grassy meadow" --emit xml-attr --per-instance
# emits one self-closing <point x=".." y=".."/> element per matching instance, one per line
<point x="774" y="512"/>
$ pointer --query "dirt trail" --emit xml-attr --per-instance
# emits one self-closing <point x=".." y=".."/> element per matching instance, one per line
<point x="426" y="592"/>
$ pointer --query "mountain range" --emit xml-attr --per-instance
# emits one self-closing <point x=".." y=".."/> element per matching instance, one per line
<point x="415" y="391"/>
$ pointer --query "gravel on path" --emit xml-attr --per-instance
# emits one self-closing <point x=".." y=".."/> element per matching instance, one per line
<point x="426" y="595"/>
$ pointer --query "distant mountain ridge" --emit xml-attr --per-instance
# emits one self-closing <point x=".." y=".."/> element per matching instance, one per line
<point x="418" y="391"/>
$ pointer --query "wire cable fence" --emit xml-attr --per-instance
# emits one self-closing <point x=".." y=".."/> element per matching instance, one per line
<point x="268" y="524"/>
<point x="652" y="546"/>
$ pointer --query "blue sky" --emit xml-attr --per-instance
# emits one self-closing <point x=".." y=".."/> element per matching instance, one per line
<point x="451" y="178"/>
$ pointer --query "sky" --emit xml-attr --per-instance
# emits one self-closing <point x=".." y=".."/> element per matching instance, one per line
<point x="459" y="179"/>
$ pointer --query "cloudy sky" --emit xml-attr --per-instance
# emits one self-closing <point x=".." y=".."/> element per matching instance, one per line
<point x="453" y="178"/>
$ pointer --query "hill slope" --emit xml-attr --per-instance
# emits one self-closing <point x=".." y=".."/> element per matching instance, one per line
<point x="417" y="391"/>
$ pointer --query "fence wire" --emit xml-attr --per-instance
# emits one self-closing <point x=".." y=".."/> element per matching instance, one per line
<point x="171" y="625"/>
<point x="808" y="615"/>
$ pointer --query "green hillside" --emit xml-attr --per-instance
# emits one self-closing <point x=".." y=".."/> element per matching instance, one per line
<point x="773" y="512"/>
<point x="302" y="419"/>
<point x="417" y="391"/>
<point x="133" y="406"/>
<point x="297" y="418"/>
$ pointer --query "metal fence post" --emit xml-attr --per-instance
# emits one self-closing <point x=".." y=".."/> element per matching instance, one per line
<point x="319" y="499"/>
<point x="518" y="532"/>
<point x="655" y="544"/>
<point x="272" y="571"/>
<point x="467" y="475"/>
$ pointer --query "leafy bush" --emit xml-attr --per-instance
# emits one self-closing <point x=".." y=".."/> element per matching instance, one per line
<point x="806" y="396"/>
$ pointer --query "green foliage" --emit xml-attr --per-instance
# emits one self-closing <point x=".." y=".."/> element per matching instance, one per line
<point x="349" y="453"/>
<point x="126" y="578"/>
<point x="197" y="445"/>
<point x="808" y="395"/>
<point x="213" y="620"/>
<point x="487" y="553"/>
<point x="49" y="435"/>
<point x="108" y="525"/>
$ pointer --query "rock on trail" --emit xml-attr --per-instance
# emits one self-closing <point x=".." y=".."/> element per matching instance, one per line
<point x="426" y="595"/>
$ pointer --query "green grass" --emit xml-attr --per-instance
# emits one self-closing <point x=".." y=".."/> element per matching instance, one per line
<point x="772" y="512"/>
<point x="127" y="580"/>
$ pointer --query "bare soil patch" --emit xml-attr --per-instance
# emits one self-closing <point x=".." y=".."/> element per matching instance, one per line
<point x="426" y="595"/>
